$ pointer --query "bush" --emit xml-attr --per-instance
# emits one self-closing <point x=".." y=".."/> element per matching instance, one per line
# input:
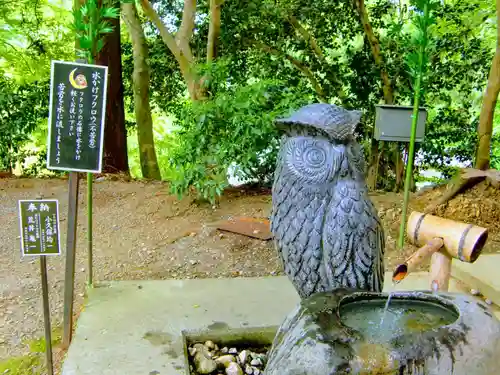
<point x="22" y="107"/>
<point x="234" y="127"/>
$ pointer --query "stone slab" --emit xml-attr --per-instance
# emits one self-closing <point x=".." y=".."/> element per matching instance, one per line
<point x="483" y="275"/>
<point x="135" y="327"/>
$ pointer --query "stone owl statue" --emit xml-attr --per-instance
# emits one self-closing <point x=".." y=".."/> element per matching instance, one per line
<point x="325" y="227"/>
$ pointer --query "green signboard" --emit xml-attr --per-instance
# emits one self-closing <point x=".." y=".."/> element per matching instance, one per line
<point x="39" y="224"/>
<point x="76" y="116"/>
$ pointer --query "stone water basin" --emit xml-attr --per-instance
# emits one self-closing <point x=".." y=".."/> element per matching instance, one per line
<point x="422" y="333"/>
<point x="381" y="322"/>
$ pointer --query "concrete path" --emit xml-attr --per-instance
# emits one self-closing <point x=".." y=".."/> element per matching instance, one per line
<point x="482" y="275"/>
<point x="135" y="328"/>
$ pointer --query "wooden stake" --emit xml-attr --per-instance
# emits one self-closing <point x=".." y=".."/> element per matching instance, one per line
<point x="46" y="315"/>
<point x="69" y="278"/>
<point x="440" y="271"/>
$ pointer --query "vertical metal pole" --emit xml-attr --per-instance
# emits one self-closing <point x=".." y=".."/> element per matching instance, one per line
<point x="89" y="225"/>
<point x="46" y="315"/>
<point x="69" y="279"/>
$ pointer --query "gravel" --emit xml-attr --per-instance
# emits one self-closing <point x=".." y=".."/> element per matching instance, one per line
<point x="140" y="232"/>
<point x="211" y="359"/>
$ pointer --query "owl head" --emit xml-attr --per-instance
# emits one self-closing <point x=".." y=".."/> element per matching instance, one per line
<point x="333" y="121"/>
<point x="318" y="145"/>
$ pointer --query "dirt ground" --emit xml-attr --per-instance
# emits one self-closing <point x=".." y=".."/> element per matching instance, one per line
<point x="142" y="232"/>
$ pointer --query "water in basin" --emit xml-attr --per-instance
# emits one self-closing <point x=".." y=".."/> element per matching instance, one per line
<point x="402" y="316"/>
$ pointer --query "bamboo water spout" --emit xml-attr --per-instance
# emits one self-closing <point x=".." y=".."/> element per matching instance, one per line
<point x="441" y="239"/>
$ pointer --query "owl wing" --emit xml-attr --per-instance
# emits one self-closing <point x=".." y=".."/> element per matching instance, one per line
<point x="353" y="240"/>
<point x="296" y="223"/>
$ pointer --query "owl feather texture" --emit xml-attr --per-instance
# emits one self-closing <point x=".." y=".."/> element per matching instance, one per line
<point x="325" y="227"/>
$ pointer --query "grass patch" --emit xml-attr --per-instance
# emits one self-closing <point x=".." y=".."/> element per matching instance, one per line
<point x="30" y="364"/>
<point x="34" y="362"/>
<point x="39" y="345"/>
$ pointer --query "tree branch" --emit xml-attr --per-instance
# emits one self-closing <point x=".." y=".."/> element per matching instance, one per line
<point x="20" y="54"/>
<point x="186" y="29"/>
<point x="166" y="36"/>
<point x="375" y="46"/>
<point x="386" y="86"/>
<point x="213" y="29"/>
<point x="309" y="38"/>
<point x="313" y="44"/>
<point x="298" y="64"/>
<point x="183" y="60"/>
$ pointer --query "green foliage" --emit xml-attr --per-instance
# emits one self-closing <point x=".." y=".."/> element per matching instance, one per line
<point x="22" y="107"/>
<point x="259" y="41"/>
<point x="235" y="127"/>
<point x="259" y="77"/>
<point x="419" y="39"/>
<point x="495" y="155"/>
<point x="32" y="33"/>
<point x="90" y="25"/>
<point x="461" y="45"/>
<point x="434" y="180"/>
<point x="460" y="65"/>
<point x="167" y="88"/>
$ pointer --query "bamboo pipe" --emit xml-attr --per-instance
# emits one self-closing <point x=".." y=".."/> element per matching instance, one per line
<point x="442" y="239"/>
<point x="461" y="240"/>
<point x="416" y="259"/>
<point x="440" y="271"/>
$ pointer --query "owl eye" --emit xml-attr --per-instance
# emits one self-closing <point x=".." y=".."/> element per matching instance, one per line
<point x="309" y="159"/>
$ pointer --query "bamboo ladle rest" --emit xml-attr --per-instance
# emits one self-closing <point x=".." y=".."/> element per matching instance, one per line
<point x="441" y="239"/>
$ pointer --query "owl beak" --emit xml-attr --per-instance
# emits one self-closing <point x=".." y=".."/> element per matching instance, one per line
<point x="356" y="117"/>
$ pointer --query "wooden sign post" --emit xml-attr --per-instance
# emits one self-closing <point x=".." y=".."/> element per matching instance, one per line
<point x="75" y="144"/>
<point x="40" y="237"/>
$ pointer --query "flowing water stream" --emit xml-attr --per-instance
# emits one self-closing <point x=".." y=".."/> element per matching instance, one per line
<point x="434" y="288"/>
<point x="385" y="309"/>
<point x="381" y="320"/>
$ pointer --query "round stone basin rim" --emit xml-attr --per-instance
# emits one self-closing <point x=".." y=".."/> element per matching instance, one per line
<point x="419" y="297"/>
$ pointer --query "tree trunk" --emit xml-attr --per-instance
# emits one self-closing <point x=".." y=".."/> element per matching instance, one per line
<point x="386" y="87"/>
<point x="115" y="134"/>
<point x="399" y="167"/>
<point x="140" y="79"/>
<point x="485" y="128"/>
